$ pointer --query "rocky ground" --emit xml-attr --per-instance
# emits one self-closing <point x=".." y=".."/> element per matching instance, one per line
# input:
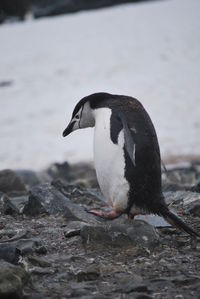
<point x="50" y="247"/>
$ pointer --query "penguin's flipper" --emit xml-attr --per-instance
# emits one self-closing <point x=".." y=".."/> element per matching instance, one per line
<point x="129" y="143"/>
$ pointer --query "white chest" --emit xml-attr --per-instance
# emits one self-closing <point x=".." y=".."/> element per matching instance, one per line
<point x="109" y="162"/>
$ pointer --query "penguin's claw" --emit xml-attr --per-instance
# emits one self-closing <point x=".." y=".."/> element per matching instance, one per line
<point x="105" y="215"/>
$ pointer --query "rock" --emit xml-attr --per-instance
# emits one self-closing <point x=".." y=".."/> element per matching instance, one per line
<point x="9" y="253"/>
<point x="73" y="229"/>
<point x="29" y="177"/>
<point x="28" y="246"/>
<point x="180" y="176"/>
<point x="194" y="209"/>
<point x="153" y="220"/>
<point x="85" y="174"/>
<point x="11" y="183"/>
<point x="60" y="171"/>
<point x="47" y="199"/>
<point x="135" y="287"/>
<point x="37" y="261"/>
<point x="91" y="273"/>
<point x="41" y="271"/>
<point x="135" y="233"/>
<point x="12" y="280"/>
<point x="175" y="198"/>
<point x="195" y="188"/>
<point x="8" y="208"/>
<point x="19" y="202"/>
<point x="169" y="186"/>
<point x="12" y="205"/>
<point x="77" y="194"/>
<point x="80" y="173"/>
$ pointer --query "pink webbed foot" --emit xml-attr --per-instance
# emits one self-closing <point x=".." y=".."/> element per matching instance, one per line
<point x="105" y="215"/>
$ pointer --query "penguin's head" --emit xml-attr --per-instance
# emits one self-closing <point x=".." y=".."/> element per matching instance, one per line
<point x="82" y="117"/>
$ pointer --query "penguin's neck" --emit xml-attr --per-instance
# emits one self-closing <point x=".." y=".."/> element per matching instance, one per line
<point x="102" y="121"/>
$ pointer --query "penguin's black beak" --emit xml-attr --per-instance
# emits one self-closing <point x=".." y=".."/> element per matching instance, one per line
<point x="69" y="129"/>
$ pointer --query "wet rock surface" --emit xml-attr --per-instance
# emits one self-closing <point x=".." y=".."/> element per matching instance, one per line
<point x="50" y="247"/>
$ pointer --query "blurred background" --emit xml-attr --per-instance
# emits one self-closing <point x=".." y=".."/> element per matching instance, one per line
<point x="50" y="58"/>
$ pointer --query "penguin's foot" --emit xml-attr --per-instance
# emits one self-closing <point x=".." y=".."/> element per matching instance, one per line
<point x="130" y="216"/>
<point x="105" y="215"/>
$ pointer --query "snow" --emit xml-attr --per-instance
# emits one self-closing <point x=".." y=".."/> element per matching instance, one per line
<point x="147" y="50"/>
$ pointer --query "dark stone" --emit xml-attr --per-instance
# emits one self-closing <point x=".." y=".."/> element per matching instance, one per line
<point x="195" y="188"/>
<point x="28" y="246"/>
<point x="135" y="233"/>
<point x="73" y="229"/>
<point x="194" y="209"/>
<point x="143" y="296"/>
<point x="8" y="208"/>
<point x="134" y="287"/>
<point x="45" y="199"/>
<point x="12" y="280"/>
<point x="9" y="253"/>
<point x="11" y="183"/>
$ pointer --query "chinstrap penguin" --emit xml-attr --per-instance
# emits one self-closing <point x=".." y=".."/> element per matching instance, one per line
<point x="126" y="155"/>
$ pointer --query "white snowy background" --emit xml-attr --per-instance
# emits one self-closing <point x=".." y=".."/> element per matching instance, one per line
<point x="149" y="50"/>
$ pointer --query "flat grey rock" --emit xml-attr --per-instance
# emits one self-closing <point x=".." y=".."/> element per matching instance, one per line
<point x="134" y="233"/>
<point x="154" y="220"/>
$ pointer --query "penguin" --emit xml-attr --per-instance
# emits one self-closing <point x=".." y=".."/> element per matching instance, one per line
<point x="126" y="156"/>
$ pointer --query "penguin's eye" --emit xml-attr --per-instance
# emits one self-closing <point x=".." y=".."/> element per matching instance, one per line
<point x="76" y="117"/>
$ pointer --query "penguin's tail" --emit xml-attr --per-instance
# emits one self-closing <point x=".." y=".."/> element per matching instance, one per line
<point x="176" y="221"/>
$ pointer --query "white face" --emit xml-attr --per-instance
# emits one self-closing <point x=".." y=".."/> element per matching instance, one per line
<point x="84" y="118"/>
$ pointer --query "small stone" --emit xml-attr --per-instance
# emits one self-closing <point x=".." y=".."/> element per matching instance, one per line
<point x="41" y="249"/>
<point x="73" y="229"/>
<point x="72" y="233"/>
